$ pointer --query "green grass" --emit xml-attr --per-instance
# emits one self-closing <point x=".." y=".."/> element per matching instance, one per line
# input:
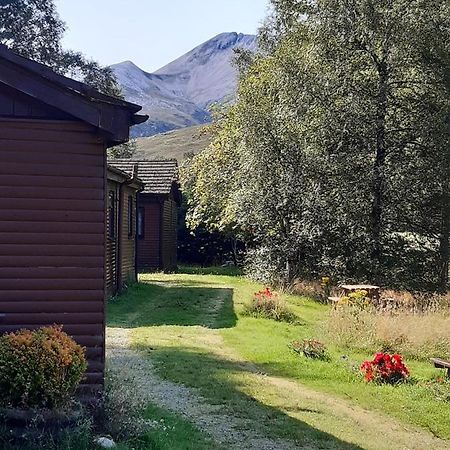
<point x="190" y="324"/>
<point x="173" y="144"/>
<point x="171" y="432"/>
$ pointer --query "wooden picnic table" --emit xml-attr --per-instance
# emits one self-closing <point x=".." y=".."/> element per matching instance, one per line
<point x="373" y="292"/>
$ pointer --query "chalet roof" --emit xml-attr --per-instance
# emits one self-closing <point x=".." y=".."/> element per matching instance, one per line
<point x="110" y="115"/>
<point x="122" y="177"/>
<point x="159" y="177"/>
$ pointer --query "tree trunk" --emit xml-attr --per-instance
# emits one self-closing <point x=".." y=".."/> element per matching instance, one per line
<point x="378" y="173"/>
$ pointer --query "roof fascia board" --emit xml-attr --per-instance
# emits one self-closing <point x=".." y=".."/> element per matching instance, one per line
<point x="107" y="117"/>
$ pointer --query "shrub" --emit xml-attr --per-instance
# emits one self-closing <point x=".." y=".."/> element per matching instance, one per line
<point x="356" y="300"/>
<point x="310" y="348"/>
<point x="267" y="304"/>
<point x="80" y="438"/>
<point x="39" y="369"/>
<point x="385" y="368"/>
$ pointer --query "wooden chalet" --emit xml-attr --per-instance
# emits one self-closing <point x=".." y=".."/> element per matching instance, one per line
<point x="54" y="133"/>
<point x="157" y="213"/>
<point x="121" y="216"/>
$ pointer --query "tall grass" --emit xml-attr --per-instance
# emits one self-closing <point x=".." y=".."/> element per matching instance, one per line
<point x="415" y="335"/>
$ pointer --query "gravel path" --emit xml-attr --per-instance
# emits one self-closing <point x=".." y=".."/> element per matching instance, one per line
<point x="236" y="433"/>
<point x="214" y="420"/>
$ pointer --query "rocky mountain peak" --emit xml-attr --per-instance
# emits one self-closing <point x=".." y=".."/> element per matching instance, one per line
<point x="179" y="94"/>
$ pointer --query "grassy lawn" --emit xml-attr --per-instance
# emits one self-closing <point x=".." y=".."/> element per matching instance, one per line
<point x="190" y="326"/>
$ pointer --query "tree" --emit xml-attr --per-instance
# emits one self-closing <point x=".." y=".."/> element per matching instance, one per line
<point x="33" y="29"/>
<point x="336" y="145"/>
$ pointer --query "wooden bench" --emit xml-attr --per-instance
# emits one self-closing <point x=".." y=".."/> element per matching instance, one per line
<point x="441" y="364"/>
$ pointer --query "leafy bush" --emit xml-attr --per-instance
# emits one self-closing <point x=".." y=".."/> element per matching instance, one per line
<point x="267" y="304"/>
<point x="310" y="348"/>
<point x="385" y="368"/>
<point x="78" y="438"/>
<point x="357" y="300"/>
<point x="39" y="369"/>
<point x="261" y="265"/>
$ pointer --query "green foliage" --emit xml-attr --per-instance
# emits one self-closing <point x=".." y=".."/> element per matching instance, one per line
<point x="126" y="150"/>
<point x="335" y="157"/>
<point x="39" y="369"/>
<point x="33" y="29"/>
<point x="78" y="438"/>
<point x="357" y="300"/>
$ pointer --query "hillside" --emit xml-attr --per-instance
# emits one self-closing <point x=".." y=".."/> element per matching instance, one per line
<point x="173" y="144"/>
<point x="178" y="95"/>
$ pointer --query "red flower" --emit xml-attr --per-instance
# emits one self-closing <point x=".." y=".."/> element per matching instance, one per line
<point x="385" y="368"/>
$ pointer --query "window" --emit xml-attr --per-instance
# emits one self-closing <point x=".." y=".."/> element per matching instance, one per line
<point x="140" y="223"/>
<point x="112" y="215"/>
<point x="130" y="217"/>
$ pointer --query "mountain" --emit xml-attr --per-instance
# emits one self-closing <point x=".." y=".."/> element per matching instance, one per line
<point x="175" y="144"/>
<point x="178" y="94"/>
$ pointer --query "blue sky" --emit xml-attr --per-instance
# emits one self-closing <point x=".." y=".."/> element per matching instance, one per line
<point x="152" y="33"/>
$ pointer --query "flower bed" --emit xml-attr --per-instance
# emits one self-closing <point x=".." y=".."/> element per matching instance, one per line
<point x="267" y="304"/>
<point x="385" y="368"/>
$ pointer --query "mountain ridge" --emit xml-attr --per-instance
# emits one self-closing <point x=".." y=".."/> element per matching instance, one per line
<point x="178" y="94"/>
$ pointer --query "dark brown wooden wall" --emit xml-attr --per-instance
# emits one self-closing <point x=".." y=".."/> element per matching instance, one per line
<point x="52" y="232"/>
<point x="128" y="252"/>
<point x="111" y="244"/>
<point x="149" y="257"/>
<point x="158" y="249"/>
<point x="169" y="235"/>
<point x="16" y="104"/>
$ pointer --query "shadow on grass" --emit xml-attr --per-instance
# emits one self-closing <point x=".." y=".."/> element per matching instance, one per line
<point x="148" y="278"/>
<point x="222" y="382"/>
<point x="145" y="305"/>
<point x="230" y="271"/>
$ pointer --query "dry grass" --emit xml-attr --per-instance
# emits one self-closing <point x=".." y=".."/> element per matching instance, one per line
<point x="314" y="289"/>
<point x="417" y="336"/>
<point x="416" y="303"/>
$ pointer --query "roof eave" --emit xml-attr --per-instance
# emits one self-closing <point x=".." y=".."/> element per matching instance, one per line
<point x="112" y="116"/>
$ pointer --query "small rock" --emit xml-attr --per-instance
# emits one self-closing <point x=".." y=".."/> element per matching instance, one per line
<point x="105" y="442"/>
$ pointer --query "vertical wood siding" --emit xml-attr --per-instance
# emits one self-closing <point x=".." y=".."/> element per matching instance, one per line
<point x="149" y="246"/>
<point x="169" y="235"/>
<point x="128" y="242"/>
<point x="111" y="244"/>
<point x="52" y="232"/>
